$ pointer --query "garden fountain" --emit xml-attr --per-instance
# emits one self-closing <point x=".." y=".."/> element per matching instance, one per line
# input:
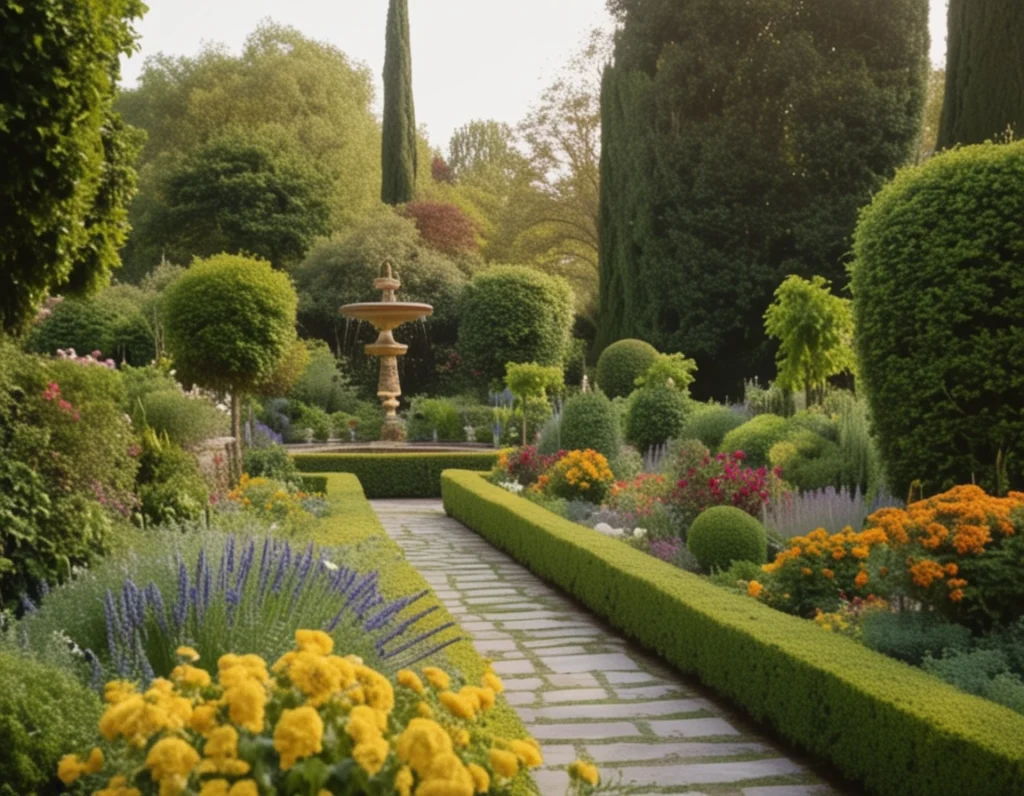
<point x="385" y="316"/>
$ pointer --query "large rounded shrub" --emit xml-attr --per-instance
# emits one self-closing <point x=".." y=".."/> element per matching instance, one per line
<point x="514" y="314"/>
<point x="709" y="423"/>
<point x="756" y="438"/>
<point x="938" y="284"/>
<point x="590" y="421"/>
<point x="724" y="534"/>
<point x="44" y="714"/>
<point x="656" y="415"/>
<point x="621" y="364"/>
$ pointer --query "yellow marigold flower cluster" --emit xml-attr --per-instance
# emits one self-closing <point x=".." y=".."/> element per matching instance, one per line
<point x="261" y="494"/>
<point x="579" y="475"/>
<point x="584" y="771"/>
<point x="185" y="734"/>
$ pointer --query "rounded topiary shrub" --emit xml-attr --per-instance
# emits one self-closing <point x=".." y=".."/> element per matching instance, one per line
<point x="621" y="364"/>
<point x="45" y="713"/>
<point x="756" y="438"/>
<point x="656" y="415"/>
<point x="590" y="421"/>
<point x="725" y="534"/>
<point x="710" y="424"/>
<point x="938" y="283"/>
<point x="514" y="314"/>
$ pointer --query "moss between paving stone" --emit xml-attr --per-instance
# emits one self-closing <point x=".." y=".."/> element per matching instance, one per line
<point x="352" y="522"/>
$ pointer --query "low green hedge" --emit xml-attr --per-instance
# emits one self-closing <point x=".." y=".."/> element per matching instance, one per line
<point x="314" y="484"/>
<point x="396" y="475"/>
<point x="883" y="723"/>
<point x="353" y="524"/>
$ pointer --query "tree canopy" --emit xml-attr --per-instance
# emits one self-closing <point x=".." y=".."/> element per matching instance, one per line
<point x="739" y="142"/>
<point x="67" y="170"/>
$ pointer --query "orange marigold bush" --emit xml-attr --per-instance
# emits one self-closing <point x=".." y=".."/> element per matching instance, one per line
<point x="579" y="475"/>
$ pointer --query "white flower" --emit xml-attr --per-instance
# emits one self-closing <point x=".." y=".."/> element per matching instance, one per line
<point x="639" y="533"/>
<point x="512" y="486"/>
<point x="330" y="566"/>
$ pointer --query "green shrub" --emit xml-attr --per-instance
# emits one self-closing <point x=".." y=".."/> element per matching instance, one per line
<point x="314" y="484"/>
<point x="514" y="314"/>
<point x="187" y="421"/>
<point x="627" y="465"/>
<point x="309" y="418"/>
<point x="171" y="486"/>
<point x="937" y="281"/>
<point x="723" y="535"/>
<point x="710" y="424"/>
<point x="427" y="415"/>
<point x="272" y="462"/>
<point x="44" y="713"/>
<point x="808" y="461"/>
<point x="322" y="383"/>
<point x="756" y="438"/>
<point x="911" y="636"/>
<point x="814" y="421"/>
<point x="589" y="420"/>
<point x="621" y="364"/>
<point x="656" y="415"/>
<point x="396" y="475"/>
<point x="982" y="672"/>
<point x="893" y="729"/>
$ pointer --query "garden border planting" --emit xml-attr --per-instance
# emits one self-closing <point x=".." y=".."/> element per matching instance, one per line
<point x="885" y="724"/>
<point x="396" y="475"/>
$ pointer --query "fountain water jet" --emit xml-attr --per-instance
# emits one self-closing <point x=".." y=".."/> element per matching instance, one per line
<point x="385" y="316"/>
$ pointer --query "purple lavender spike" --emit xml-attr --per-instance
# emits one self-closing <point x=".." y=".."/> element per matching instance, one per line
<point x="434" y="650"/>
<point x="147" y="670"/>
<point x="222" y="573"/>
<point x="245" y="566"/>
<point x="378" y="621"/>
<point x="156" y="602"/>
<point x="95" y="671"/>
<point x="205" y="592"/>
<point x="181" y="606"/>
<point x="417" y="640"/>
<point x="27" y="605"/>
<point x="266" y="563"/>
<point x="229" y="552"/>
<point x="403" y="626"/>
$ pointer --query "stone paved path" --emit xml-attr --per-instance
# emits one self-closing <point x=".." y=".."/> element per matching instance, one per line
<point x="579" y="687"/>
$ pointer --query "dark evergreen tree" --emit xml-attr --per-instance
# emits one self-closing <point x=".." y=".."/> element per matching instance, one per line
<point x="984" y="72"/>
<point x="739" y="141"/>
<point x="398" y="153"/>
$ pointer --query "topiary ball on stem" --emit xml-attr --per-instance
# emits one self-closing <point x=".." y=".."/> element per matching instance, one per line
<point x="938" y="284"/>
<point x="724" y="534"/>
<point x="621" y="364"/>
<point x="656" y="415"/>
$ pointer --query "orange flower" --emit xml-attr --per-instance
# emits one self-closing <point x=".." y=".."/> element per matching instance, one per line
<point x="861" y="580"/>
<point x="754" y="589"/>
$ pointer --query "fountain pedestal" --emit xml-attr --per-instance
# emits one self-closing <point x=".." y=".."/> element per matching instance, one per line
<point x="387" y="315"/>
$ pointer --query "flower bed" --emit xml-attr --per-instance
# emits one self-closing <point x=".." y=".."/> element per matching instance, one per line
<point x="893" y="728"/>
<point x="397" y="475"/>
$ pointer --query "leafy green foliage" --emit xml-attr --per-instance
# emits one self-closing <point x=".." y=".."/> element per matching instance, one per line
<point x="529" y="383"/>
<point x="186" y="420"/>
<point x="171" y="486"/>
<point x="656" y="415"/>
<point x="939" y="302"/>
<point x="912" y="636"/>
<point x="242" y="193"/>
<point x="591" y="421"/>
<point x="67" y="174"/>
<point x="733" y="157"/>
<point x="985" y="672"/>
<point x="398" y="156"/>
<point x="272" y="462"/>
<point x="44" y="712"/>
<point x="984" y="98"/>
<point x="722" y="535"/>
<point x="756" y="438"/>
<point x="621" y="364"/>
<point x="815" y="333"/>
<point x="403" y="475"/>
<point x="514" y="314"/>
<point x="673" y="370"/>
<point x="323" y="383"/>
<point x="808" y="461"/>
<point x="770" y="665"/>
<point x="710" y="424"/>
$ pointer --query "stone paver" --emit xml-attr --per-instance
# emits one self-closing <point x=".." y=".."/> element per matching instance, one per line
<point x="580" y="687"/>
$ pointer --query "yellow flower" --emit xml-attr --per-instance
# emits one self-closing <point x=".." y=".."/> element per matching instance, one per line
<point x="446" y="776"/>
<point x="481" y="779"/>
<point x="424" y="710"/>
<point x="422" y="741"/>
<point x="315" y="641"/>
<point x="377" y="690"/>
<point x="315" y="677"/>
<point x="371" y="755"/>
<point x="492" y="681"/>
<point x="364" y="724"/>
<point x="247" y="704"/>
<point x="410" y="679"/>
<point x="190" y="676"/>
<point x="118" y="786"/>
<point x="221" y="753"/>
<point x="457" y="704"/>
<point x="299" y="733"/>
<point x="171" y="759"/>
<point x="220" y="787"/>
<point x="504" y="763"/>
<point x="461" y="738"/>
<point x="117" y="691"/>
<point x="437" y="677"/>
<point x="71" y="767"/>
<point x="188" y="653"/>
<point x="527" y="752"/>
<point x="403" y="781"/>
<point x="580" y="769"/>
<point x="204" y="719"/>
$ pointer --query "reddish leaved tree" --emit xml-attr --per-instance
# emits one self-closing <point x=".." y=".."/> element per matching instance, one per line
<point x="443" y="226"/>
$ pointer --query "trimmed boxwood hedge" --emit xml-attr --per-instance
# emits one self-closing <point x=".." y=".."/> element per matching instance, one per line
<point x="396" y="475"/>
<point x="353" y="524"/>
<point x="883" y="723"/>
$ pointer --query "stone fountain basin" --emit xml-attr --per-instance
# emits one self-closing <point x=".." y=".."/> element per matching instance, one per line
<point x="387" y="315"/>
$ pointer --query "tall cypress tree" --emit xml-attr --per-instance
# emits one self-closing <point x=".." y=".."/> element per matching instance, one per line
<point x="739" y="140"/>
<point x="984" y="72"/>
<point x="398" y="152"/>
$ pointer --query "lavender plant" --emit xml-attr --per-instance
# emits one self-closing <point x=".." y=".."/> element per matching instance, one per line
<point x="796" y="514"/>
<point x="231" y="595"/>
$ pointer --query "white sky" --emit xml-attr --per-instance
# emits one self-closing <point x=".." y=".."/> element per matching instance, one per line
<point x="470" y="60"/>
